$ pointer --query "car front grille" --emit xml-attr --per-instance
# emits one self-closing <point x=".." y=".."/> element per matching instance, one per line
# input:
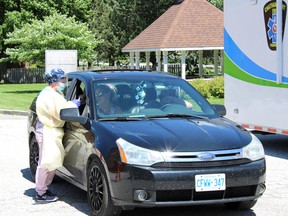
<point x="201" y="164"/>
<point x="192" y="195"/>
<point x="202" y="159"/>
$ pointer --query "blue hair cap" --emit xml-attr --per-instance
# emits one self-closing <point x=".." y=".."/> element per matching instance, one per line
<point x="55" y="75"/>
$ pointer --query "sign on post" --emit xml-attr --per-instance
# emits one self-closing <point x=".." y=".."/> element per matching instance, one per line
<point x="64" y="59"/>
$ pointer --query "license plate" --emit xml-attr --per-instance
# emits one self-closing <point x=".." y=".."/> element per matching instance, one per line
<point x="210" y="182"/>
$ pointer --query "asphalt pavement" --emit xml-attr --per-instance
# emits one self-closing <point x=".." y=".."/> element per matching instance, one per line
<point x="17" y="187"/>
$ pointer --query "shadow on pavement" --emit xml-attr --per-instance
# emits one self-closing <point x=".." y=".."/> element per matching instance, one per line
<point x="23" y="92"/>
<point x="26" y="174"/>
<point x="204" y="210"/>
<point x="66" y="192"/>
<point x="274" y="144"/>
<point x="30" y="192"/>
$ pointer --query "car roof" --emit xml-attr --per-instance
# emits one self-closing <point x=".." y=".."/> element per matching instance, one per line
<point x="100" y="74"/>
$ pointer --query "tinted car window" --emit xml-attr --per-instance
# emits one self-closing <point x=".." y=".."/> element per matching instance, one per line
<point x="148" y="97"/>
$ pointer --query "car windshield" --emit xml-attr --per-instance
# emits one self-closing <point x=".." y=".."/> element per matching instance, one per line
<point x="148" y="97"/>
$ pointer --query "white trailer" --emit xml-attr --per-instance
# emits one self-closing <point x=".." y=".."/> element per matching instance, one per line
<point x="256" y="64"/>
<point x="64" y="59"/>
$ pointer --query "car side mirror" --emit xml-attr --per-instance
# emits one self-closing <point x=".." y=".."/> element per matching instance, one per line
<point x="220" y="109"/>
<point x="72" y="115"/>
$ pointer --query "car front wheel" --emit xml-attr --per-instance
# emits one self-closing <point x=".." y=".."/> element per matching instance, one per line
<point x="99" y="197"/>
<point x="244" y="205"/>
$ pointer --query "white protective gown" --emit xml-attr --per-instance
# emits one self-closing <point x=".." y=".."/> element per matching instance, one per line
<point x="48" y="106"/>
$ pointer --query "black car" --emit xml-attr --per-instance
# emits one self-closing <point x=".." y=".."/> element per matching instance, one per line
<point x="162" y="144"/>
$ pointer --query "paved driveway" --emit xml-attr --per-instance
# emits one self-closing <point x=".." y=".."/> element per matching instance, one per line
<point x="17" y="188"/>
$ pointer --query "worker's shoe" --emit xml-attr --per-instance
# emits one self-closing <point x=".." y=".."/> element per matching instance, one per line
<point x="46" y="198"/>
<point x="50" y="193"/>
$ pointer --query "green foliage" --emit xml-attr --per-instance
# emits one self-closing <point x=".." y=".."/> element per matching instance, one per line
<point x="54" y="32"/>
<point x="202" y="86"/>
<point x="217" y="3"/>
<point x="15" y="13"/>
<point x="113" y="22"/>
<point x="217" y="87"/>
<point x="102" y="26"/>
<point x="210" y="88"/>
<point x="116" y="23"/>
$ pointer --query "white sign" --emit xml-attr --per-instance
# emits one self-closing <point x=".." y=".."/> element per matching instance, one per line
<point x="64" y="59"/>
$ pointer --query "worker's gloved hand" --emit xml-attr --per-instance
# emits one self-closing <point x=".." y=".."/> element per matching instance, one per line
<point x="76" y="101"/>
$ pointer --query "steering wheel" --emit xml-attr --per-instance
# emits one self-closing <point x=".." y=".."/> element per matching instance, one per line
<point x="136" y="109"/>
<point x="165" y="106"/>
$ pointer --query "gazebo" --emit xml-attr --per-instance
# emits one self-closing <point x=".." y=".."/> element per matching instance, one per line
<point x="189" y="25"/>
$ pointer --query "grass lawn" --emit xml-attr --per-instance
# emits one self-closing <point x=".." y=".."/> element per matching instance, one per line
<point x="216" y="101"/>
<point x="20" y="96"/>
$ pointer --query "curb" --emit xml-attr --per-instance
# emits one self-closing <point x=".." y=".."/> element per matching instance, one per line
<point x="14" y="112"/>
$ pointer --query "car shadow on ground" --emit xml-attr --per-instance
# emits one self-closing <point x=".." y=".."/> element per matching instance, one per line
<point x="204" y="210"/>
<point x="67" y="192"/>
<point x="274" y="144"/>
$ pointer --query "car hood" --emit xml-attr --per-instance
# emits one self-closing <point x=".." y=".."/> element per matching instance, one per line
<point x="181" y="134"/>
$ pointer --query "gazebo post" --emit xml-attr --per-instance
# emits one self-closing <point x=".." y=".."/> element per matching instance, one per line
<point x="158" y="59"/>
<point x="131" y="60"/>
<point x="200" y="63"/>
<point x="137" y="55"/>
<point x="147" y="56"/>
<point x="165" y="60"/>
<point x="215" y="62"/>
<point x="183" y="64"/>
<point x="222" y="61"/>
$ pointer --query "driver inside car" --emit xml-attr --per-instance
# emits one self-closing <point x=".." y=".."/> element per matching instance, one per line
<point x="170" y="97"/>
<point x="106" y="100"/>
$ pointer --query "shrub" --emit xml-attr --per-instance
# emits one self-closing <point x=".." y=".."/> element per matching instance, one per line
<point x="217" y="87"/>
<point x="210" y="88"/>
<point x="202" y="86"/>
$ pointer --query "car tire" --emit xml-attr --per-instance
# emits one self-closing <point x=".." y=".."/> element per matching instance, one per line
<point x="98" y="193"/>
<point x="33" y="156"/>
<point x="244" y="205"/>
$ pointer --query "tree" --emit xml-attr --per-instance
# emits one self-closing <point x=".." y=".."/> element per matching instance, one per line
<point x="54" y="32"/>
<point x="16" y="13"/>
<point x="101" y="25"/>
<point x="117" y="22"/>
<point x="113" y="22"/>
<point x="217" y="3"/>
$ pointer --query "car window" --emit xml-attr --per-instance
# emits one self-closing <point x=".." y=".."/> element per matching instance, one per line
<point x="78" y="92"/>
<point x="148" y="97"/>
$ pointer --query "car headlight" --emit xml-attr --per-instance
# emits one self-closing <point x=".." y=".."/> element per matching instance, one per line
<point x="132" y="154"/>
<point x="254" y="151"/>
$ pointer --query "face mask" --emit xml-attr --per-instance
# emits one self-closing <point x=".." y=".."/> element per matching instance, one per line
<point x="61" y="87"/>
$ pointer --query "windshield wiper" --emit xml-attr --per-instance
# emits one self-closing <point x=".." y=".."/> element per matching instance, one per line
<point x="177" y="115"/>
<point x="122" y="118"/>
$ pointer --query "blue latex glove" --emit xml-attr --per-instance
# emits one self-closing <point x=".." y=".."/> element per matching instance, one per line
<point x="76" y="101"/>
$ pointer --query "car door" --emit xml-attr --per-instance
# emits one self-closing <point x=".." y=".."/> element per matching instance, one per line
<point x="77" y="141"/>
